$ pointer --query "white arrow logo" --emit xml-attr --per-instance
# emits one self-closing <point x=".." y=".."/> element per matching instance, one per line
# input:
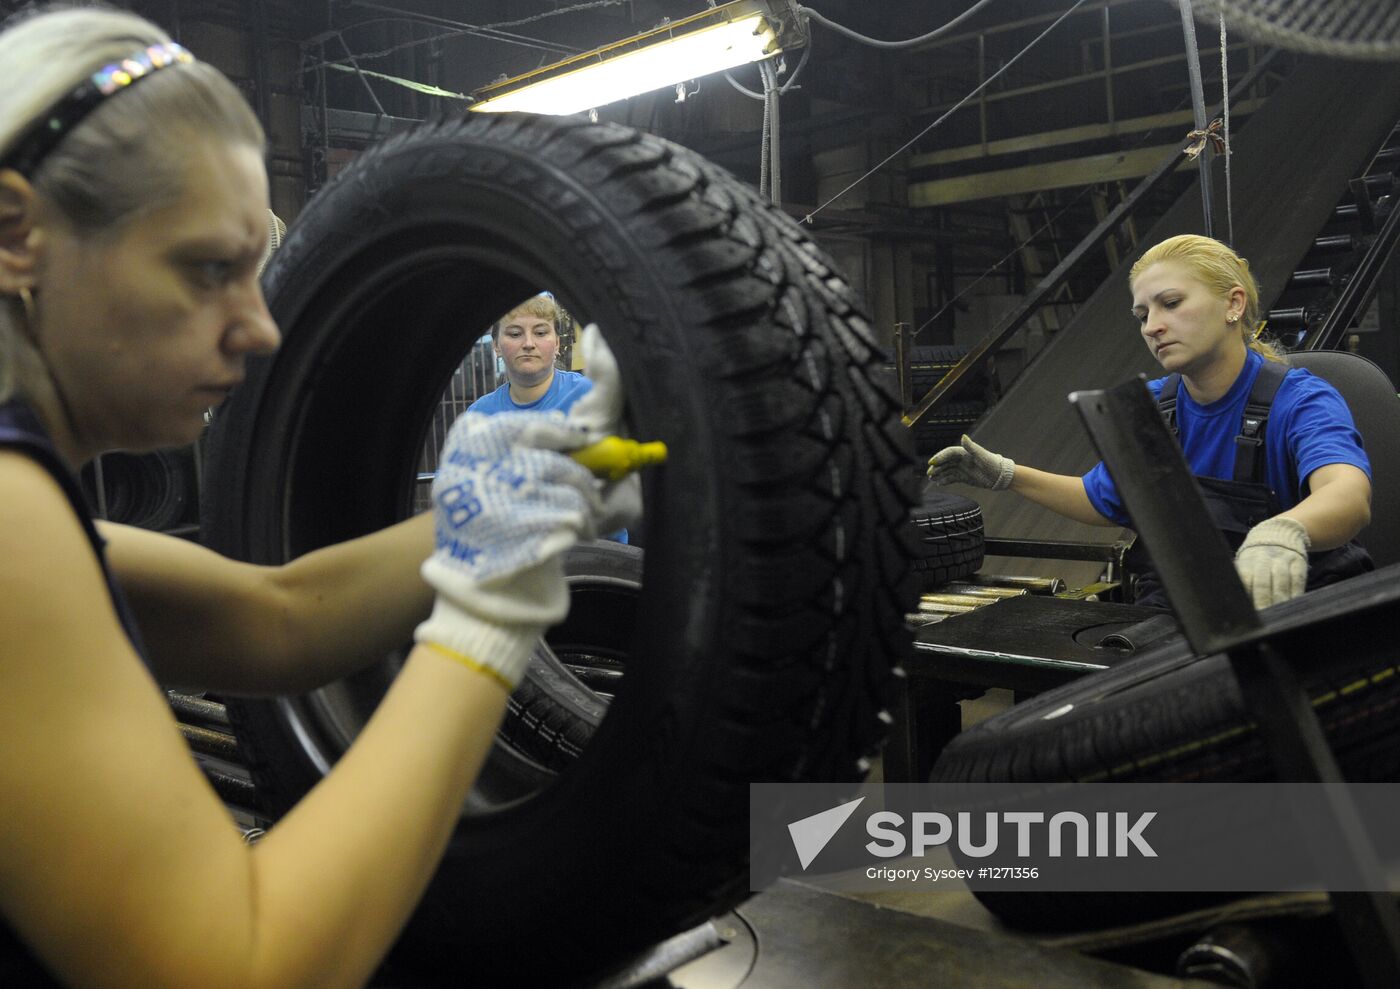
<point x="811" y="834"/>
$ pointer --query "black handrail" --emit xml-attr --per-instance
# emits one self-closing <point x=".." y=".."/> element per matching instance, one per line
<point x="1360" y="287"/>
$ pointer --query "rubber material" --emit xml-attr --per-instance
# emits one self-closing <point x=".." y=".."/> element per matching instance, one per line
<point x="946" y="425"/>
<point x="950" y="537"/>
<point x="552" y="715"/>
<point x="1171" y="716"/>
<point x="153" y="490"/>
<point x="778" y="545"/>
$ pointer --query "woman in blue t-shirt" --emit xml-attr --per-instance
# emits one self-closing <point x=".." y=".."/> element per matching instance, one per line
<point x="1293" y="514"/>
<point x="526" y="340"/>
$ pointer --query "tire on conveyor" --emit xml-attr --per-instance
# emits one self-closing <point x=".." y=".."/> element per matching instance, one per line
<point x="1171" y="716"/>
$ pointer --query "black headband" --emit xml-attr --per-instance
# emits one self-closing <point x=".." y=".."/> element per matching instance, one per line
<point x="45" y="133"/>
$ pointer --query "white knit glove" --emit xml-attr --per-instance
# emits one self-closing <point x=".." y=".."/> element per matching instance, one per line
<point x="599" y="414"/>
<point x="1273" y="561"/>
<point x="506" y="507"/>
<point x="971" y="464"/>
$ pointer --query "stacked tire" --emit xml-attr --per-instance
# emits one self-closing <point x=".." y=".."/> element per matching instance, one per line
<point x="950" y="537"/>
<point x="944" y="425"/>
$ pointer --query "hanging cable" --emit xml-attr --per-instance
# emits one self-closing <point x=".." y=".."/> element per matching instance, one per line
<point x="955" y="108"/>
<point x="1198" y="105"/>
<point x="774" y="132"/>
<point x="1225" y="105"/>
<point x="764" y="159"/>
<point x="813" y="15"/>
<point x="1049" y="224"/>
<point x="806" y="54"/>
<point x="475" y="29"/>
<point x="417" y="87"/>
<point x="742" y="88"/>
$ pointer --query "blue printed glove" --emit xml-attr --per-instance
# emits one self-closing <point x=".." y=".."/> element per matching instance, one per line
<point x="599" y="413"/>
<point x="507" y="504"/>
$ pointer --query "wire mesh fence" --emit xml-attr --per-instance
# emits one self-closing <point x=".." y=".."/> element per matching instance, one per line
<point x="478" y="373"/>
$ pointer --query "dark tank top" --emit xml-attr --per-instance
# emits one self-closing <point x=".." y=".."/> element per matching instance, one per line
<point x="21" y="431"/>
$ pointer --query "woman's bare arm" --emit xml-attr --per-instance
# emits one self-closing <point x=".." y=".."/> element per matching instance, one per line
<point x="218" y="624"/>
<point x="1337" y="507"/>
<point x="1061" y="493"/>
<point x="106" y="862"/>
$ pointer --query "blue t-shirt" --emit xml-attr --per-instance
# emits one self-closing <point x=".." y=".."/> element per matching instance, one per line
<point x="1309" y="427"/>
<point x="566" y="389"/>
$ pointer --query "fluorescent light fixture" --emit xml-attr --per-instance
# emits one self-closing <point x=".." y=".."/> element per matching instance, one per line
<point x="721" y="38"/>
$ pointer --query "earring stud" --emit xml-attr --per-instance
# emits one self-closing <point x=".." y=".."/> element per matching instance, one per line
<point x="26" y="299"/>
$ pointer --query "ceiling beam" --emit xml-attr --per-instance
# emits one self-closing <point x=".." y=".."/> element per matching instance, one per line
<point x="1067" y="135"/>
<point x="1089" y="170"/>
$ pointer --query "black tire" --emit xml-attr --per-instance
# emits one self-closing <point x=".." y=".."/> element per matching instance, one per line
<point x="1171" y="716"/>
<point x="153" y="490"/>
<point x="945" y="425"/>
<point x="556" y="709"/>
<point x="777" y="534"/>
<point x="939" y="355"/>
<point x="950" y="537"/>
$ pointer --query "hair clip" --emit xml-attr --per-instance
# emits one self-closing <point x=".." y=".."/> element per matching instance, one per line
<point x="45" y="133"/>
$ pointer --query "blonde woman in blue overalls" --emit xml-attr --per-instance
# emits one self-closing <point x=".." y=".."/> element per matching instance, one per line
<point x="1274" y="448"/>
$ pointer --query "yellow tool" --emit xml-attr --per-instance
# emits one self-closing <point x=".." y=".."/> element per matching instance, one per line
<point x="612" y="458"/>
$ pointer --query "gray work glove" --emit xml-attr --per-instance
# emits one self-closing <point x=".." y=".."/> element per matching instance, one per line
<point x="971" y="464"/>
<point x="1273" y="561"/>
